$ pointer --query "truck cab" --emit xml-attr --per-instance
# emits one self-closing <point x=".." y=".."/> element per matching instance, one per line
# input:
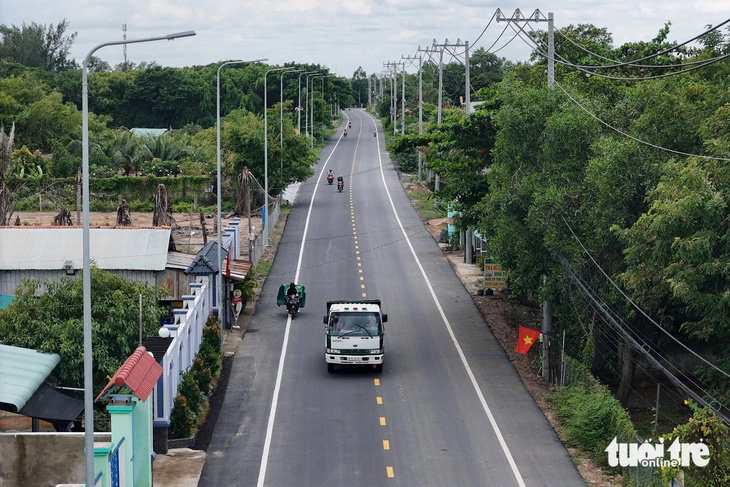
<point x="354" y="334"/>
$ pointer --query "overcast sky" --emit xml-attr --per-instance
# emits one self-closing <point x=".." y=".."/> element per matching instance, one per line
<point x="339" y="34"/>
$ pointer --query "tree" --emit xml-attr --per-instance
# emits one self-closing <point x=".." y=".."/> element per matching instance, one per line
<point x="38" y="45"/>
<point x="360" y="86"/>
<point x="53" y="323"/>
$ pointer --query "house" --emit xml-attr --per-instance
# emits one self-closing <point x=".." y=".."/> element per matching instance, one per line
<point x="50" y="253"/>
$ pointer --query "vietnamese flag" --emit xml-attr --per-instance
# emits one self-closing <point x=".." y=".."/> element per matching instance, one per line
<point x="527" y="337"/>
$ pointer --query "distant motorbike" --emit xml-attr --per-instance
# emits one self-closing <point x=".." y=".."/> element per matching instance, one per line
<point x="349" y="125"/>
<point x="292" y="304"/>
<point x="330" y="179"/>
<point x="340" y="185"/>
<point x="375" y="133"/>
<point x="345" y="134"/>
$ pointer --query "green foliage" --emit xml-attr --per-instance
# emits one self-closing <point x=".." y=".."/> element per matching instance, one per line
<point x="38" y="45"/>
<point x="706" y="427"/>
<point x="188" y="388"/>
<point x="592" y="417"/>
<point x="53" y="323"/>
<point x="202" y="376"/>
<point x="182" y="419"/>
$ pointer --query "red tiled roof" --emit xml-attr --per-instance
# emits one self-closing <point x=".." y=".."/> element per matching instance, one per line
<point x="139" y="372"/>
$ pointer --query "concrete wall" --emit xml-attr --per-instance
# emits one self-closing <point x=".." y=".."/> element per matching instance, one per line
<point x="43" y="459"/>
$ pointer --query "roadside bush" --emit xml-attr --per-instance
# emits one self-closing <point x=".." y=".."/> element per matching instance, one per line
<point x="188" y="388"/>
<point x="202" y="375"/>
<point x="592" y="417"/>
<point x="706" y="427"/>
<point x="182" y="420"/>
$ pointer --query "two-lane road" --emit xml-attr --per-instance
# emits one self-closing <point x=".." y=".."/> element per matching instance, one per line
<point x="448" y="408"/>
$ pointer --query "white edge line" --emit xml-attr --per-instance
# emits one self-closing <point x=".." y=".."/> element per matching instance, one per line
<point x="280" y="371"/>
<point x="487" y="410"/>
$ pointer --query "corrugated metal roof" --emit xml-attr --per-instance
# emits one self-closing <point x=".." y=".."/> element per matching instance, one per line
<point x="239" y="269"/>
<point x="22" y="371"/>
<point x="23" y="248"/>
<point x="179" y="260"/>
<point x="141" y="131"/>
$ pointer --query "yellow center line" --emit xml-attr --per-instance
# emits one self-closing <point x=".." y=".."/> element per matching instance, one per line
<point x="362" y="286"/>
<point x="382" y="421"/>
<point x="379" y="400"/>
<point x="386" y="445"/>
<point x="360" y="271"/>
<point x="362" y="278"/>
<point x="364" y="295"/>
<point x="389" y="470"/>
<point x="376" y="381"/>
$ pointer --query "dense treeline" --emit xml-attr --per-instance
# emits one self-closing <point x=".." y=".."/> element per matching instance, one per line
<point x="40" y="96"/>
<point x="535" y="164"/>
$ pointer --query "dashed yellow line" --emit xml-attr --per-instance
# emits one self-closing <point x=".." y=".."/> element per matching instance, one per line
<point x="386" y="445"/>
<point x="389" y="471"/>
<point x="382" y="421"/>
<point x="376" y="382"/>
<point x="379" y="400"/>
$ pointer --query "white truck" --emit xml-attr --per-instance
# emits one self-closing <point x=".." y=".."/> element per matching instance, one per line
<point x="355" y="334"/>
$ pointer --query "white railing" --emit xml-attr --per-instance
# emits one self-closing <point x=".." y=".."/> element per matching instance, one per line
<point x="187" y="333"/>
<point x="187" y="328"/>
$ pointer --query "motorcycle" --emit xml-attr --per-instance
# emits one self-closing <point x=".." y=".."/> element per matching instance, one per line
<point x="330" y="179"/>
<point x="349" y="125"/>
<point x="340" y="185"/>
<point x="345" y="134"/>
<point x="375" y="133"/>
<point x="292" y="304"/>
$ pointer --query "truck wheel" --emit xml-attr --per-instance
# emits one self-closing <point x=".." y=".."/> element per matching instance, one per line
<point x="379" y="368"/>
<point x="331" y="368"/>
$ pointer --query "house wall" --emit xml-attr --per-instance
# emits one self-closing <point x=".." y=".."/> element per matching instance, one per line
<point x="173" y="280"/>
<point x="43" y="459"/>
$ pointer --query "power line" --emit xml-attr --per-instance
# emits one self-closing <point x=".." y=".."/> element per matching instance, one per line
<point x="652" y="66"/>
<point x="669" y="49"/>
<point x="636" y="306"/>
<point x="634" y="138"/>
<point x="565" y="62"/>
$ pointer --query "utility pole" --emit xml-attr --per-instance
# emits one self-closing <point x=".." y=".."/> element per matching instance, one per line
<point x="124" y="48"/>
<point x="536" y="17"/>
<point x="420" y="105"/>
<point x="403" y="101"/>
<point x="547" y="309"/>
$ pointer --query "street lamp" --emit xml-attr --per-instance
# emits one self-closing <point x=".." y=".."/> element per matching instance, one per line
<point x="88" y="378"/>
<point x="266" y="155"/>
<point x="299" y="103"/>
<point x="219" y="280"/>
<point x="281" y="106"/>
<point x="306" y="103"/>
<point x="312" y="106"/>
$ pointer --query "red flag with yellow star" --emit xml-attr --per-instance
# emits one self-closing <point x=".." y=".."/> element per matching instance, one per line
<point x="527" y="337"/>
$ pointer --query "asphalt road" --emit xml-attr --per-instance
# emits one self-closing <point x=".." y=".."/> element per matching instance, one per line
<point x="448" y="409"/>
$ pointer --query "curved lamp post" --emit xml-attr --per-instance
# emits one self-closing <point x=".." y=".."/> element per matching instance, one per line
<point x="323" y="76"/>
<point x="88" y="369"/>
<point x="266" y="155"/>
<point x="219" y="181"/>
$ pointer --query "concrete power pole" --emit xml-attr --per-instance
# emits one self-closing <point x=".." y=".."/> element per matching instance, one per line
<point x="537" y="17"/>
<point x="547" y="309"/>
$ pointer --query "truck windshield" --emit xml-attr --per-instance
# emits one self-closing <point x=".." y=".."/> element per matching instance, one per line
<point x="354" y="324"/>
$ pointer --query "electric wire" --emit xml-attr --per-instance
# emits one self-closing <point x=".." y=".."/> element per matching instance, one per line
<point x="603" y="66"/>
<point x="558" y="58"/>
<point x="669" y="49"/>
<point x="579" y="282"/>
<point x="637" y="307"/>
<point x="631" y="136"/>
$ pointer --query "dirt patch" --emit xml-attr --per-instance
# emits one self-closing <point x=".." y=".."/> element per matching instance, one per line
<point x="187" y="234"/>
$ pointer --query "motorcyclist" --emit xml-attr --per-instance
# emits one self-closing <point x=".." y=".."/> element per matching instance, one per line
<point x="375" y="133"/>
<point x="349" y="125"/>
<point x="330" y="176"/>
<point x="340" y="182"/>
<point x="345" y="133"/>
<point x="292" y="290"/>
